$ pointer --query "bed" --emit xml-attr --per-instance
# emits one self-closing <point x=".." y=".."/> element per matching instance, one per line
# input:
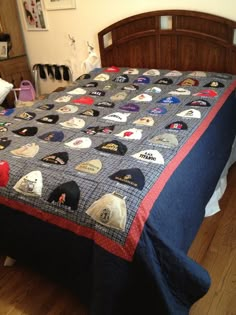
<point x="109" y="179"/>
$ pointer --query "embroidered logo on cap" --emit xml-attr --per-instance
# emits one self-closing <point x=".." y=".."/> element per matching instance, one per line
<point x="84" y="100"/>
<point x="145" y="121"/>
<point x="169" y="100"/>
<point x="164" y="81"/>
<point x="90" y="167"/>
<point x="79" y="143"/>
<point x="66" y="196"/>
<point x="49" y="119"/>
<point x="29" y="150"/>
<point x="91" y="84"/>
<point x="90" y="112"/>
<point x="189" y="82"/>
<point x="46" y="107"/>
<point x="152" y="72"/>
<point x="200" y="103"/>
<point x="68" y="109"/>
<point x="132" y="177"/>
<point x="77" y="91"/>
<point x="142" y="98"/>
<point x="174" y="73"/>
<point x="214" y="84"/>
<point x="26" y="131"/>
<point x="207" y="93"/>
<point x="190" y="113"/>
<point x="180" y="91"/>
<point x="105" y="104"/>
<point x="64" y="99"/>
<point x="114" y="147"/>
<point x="102" y="77"/>
<point x="153" y="90"/>
<point x="30" y="184"/>
<point x="53" y="136"/>
<point x="123" y="78"/>
<point x="97" y="93"/>
<point x="166" y="140"/>
<point x="177" y="125"/>
<point x="110" y="210"/>
<point x="133" y="133"/>
<point x="130" y="107"/>
<point x="73" y="123"/>
<point x="130" y="87"/>
<point x="25" y="116"/>
<point x="121" y="117"/>
<point x="160" y="110"/>
<point x="152" y="156"/>
<point x="120" y="96"/>
<point x="58" y="158"/>
<point x="112" y="69"/>
<point x="4" y="143"/>
<point x="98" y="129"/>
<point x="131" y="71"/>
<point x="142" y="80"/>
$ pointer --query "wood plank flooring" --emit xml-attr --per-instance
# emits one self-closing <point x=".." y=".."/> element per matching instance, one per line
<point x="25" y="292"/>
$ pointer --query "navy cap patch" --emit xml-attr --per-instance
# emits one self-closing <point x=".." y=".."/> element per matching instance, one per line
<point x="132" y="177"/>
<point x="54" y="136"/>
<point x="160" y="110"/>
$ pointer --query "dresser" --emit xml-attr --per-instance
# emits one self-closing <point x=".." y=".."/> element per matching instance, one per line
<point x="14" y="68"/>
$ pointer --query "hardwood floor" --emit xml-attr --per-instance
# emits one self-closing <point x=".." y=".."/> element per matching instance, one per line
<point x="24" y="292"/>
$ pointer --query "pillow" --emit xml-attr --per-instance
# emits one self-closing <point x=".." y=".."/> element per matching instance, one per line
<point x="5" y="88"/>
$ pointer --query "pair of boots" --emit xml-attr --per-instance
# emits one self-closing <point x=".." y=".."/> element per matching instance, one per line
<point x="53" y="71"/>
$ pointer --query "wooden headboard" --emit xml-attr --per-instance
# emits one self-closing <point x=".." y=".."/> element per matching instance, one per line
<point x="171" y="39"/>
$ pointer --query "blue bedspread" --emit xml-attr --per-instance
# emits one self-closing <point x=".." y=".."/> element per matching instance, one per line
<point x="162" y="139"/>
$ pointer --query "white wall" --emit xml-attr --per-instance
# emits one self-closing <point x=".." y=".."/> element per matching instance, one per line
<point x="83" y="23"/>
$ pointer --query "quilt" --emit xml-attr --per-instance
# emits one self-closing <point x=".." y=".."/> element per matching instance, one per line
<point x="110" y="160"/>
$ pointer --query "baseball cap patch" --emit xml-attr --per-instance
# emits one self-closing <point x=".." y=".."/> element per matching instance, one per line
<point x="90" y="113"/>
<point x="110" y="210"/>
<point x="198" y="74"/>
<point x="25" y="116"/>
<point x="152" y="156"/>
<point x="4" y="143"/>
<point x="64" y="99"/>
<point x="132" y="177"/>
<point x="207" y="93"/>
<point x="160" y="110"/>
<point x="164" y="81"/>
<point x="130" y="87"/>
<point x="142" y="98"/>
<point x="53" y="136"/>
<point x="177" y="125"/>
<point x="154" y="90"/>
<point x="142" y="80"/>
<point x="180" y="91"/>
<point x="91" y="85"/>
<point x="132" y="133"/>
<point x="97" y="129"/>
<point x="120" y="96"/>
<point x="68" y="109"/>
<point x="4" y="173"/>
<point x="66" y="195"/>
<point x="77" y="91"/>
<point x="58" y="158"/>
<point x="152" y="72"/>
<point x="26" y="131"/>
<point x="97" y="93"/>
<point x="49" y="119"/>
<point x="174" y="73"/>
<point x="166" y="139"/>
<point x="46" y="107"/>
<point x="29" y="150"/>
<point x="102" y="77"/>
<point x="84" y="100"/>
<point x="7" y="112"/>
<point x="190" y="113"/>
<point x="169" y="100"/>
<point x="73" y="123"/>
<point x="112" y="69"/>
<point x="131" y="71"/>
<point x="90" y="167"/>
<point x="79" y="143"/>
<point x="130" y="107"/>
<point x="214" y="84"/>
<point x="145" y="121"/>
<point x="117" y="116"/>
<point x="105" y="104"/>
<point x="189" y="82"/>
<point x="123" y="78"/>
<point x="114" y="147"/>
<point x="31" y="184"/>
<point x="200" y="103"/>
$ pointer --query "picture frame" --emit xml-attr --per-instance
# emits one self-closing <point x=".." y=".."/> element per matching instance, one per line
<point x="3" y="50"/>
<point x="33" y="15"/>
<point x="51" y="5"/>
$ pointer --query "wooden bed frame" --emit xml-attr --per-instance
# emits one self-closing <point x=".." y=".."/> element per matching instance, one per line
<point x="171" y="39"/>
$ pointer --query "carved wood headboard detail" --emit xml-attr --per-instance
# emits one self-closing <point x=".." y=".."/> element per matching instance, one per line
<point x="171" y="39"/>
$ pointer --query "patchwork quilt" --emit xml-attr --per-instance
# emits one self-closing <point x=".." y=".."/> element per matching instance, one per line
<point x="95" y="158"/>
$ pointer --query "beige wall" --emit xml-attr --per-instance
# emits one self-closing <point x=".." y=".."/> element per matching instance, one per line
<point x="89" y="17"/>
